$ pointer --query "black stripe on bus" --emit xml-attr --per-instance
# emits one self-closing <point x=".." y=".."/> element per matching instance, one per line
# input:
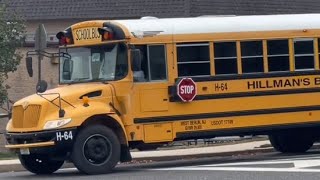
<point x="257" y="130"/>
<point x="224" y="114"/>
<point x="257" y="93"/>
<point x="255" y="76"/>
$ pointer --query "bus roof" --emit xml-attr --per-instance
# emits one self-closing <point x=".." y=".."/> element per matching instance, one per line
<point x="222" y="24"/>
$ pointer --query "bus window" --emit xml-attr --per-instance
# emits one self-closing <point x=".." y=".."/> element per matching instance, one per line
<point x="225" y="58"/>
<point x="193" y="60"/>
<point x="303" y="53"/>
<point x="144" y="75"/>
<point x="157" y="61"/>
<point x="153" y="62"/>
<point x="278" y="55"/>
<point x="252" y="56"/>
<point x="319" y="48"/>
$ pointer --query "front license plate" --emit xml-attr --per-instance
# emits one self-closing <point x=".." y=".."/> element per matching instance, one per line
<point x="24" y="151"/>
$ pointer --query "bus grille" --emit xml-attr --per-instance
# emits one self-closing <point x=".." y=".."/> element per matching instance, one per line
<point x="26" y="118"/>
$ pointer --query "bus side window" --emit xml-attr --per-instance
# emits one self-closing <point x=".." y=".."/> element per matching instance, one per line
<point x="193" y="59"/>
<point x="252" y="56"/>
<point x="278" y="55"/>
<point x="225" y="58"/>
<point x="143" y="75"/>
<point x="303" y="53"/>
<point x="157" y="61"/>
<point x="319" y="49"/>
<point x="122" y="63"/>
<point x="153" y="62"/>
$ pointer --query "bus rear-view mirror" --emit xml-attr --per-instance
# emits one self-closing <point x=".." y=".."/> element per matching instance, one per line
<point x="29" y="66"/>
<point x="42" y="86"/>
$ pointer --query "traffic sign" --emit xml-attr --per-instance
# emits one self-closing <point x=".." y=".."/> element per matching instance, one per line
<point x="186" y="89"/>
<point x="40" y="38"/>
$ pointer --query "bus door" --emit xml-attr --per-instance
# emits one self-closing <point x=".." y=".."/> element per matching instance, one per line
<point x="151" y="91"/>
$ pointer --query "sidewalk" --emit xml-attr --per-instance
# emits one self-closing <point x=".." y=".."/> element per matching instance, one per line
<point x="173" y="154"/>
<point x="201" y="151"/>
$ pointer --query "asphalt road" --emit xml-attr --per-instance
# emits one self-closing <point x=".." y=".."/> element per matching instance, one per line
<point x="267" y="166"/>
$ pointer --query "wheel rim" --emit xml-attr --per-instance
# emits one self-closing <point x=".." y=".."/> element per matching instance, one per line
<point x="97" y="149"/>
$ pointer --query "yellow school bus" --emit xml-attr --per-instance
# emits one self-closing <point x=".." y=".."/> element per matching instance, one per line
<point x="146" y="82"/>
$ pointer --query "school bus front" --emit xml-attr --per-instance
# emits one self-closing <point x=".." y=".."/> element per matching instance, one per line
<point x="91" y="98"/>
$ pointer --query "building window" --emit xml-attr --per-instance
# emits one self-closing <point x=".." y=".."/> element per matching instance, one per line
<point x="252" y="56"/>
<point x="278" y="55"/>
<point x="225" y="58"/>
<point x="303" y="53"/>
<point x="193" y="60"/>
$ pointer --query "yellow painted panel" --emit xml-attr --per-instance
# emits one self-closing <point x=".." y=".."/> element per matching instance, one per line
<point x="158" y="132"/>
<point x="154" y="100"/>
<point x="87" y="35"/>
<point x="235" y="122"/>
<point x="260" y="84"/>
<point x="134" y="132"/>
<point x="316" y="53"/>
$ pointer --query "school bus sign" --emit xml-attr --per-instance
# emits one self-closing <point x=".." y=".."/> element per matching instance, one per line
<point x="186" y="89"/>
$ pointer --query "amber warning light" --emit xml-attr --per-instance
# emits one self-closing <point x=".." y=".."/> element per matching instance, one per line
<point x="106" y="33"/>
<point x="64" y="38"/>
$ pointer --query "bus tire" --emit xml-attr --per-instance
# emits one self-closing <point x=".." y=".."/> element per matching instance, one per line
<point x="40" y="164"/>
<point x="96" y="150"/>
<point x="291" y="142"/>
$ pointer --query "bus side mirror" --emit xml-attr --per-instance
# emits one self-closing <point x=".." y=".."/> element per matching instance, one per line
<point x="29" y="66"/>
<point x="42" y="86"/>
<point x="135" y="60"/>
<point x="67" y="69"/>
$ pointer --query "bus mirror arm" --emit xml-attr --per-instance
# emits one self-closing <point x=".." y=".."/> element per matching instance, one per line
<point x="60" y="99"/>
<point x="29" y="66"/>
<point x="41" y="84"/>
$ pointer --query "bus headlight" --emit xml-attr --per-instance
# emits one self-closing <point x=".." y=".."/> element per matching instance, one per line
<point x="56" y="123"/>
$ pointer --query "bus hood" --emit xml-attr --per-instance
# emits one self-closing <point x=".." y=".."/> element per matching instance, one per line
<point x="70" y="93"/>
<point x="31" y="113"/>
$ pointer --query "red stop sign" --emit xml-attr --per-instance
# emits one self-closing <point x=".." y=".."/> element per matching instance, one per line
<point x="186" y="89"/>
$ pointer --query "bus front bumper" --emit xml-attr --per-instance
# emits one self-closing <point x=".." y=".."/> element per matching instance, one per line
<point x="49" y="142"/>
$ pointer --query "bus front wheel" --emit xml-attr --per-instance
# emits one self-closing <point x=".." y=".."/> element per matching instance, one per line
<point x="96" y="150"/>
<point x="291" y="142"/>
<point x="40" y="164"/>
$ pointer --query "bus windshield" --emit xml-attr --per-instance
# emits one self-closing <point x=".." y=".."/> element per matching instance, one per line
<point x="94" y="63"/>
